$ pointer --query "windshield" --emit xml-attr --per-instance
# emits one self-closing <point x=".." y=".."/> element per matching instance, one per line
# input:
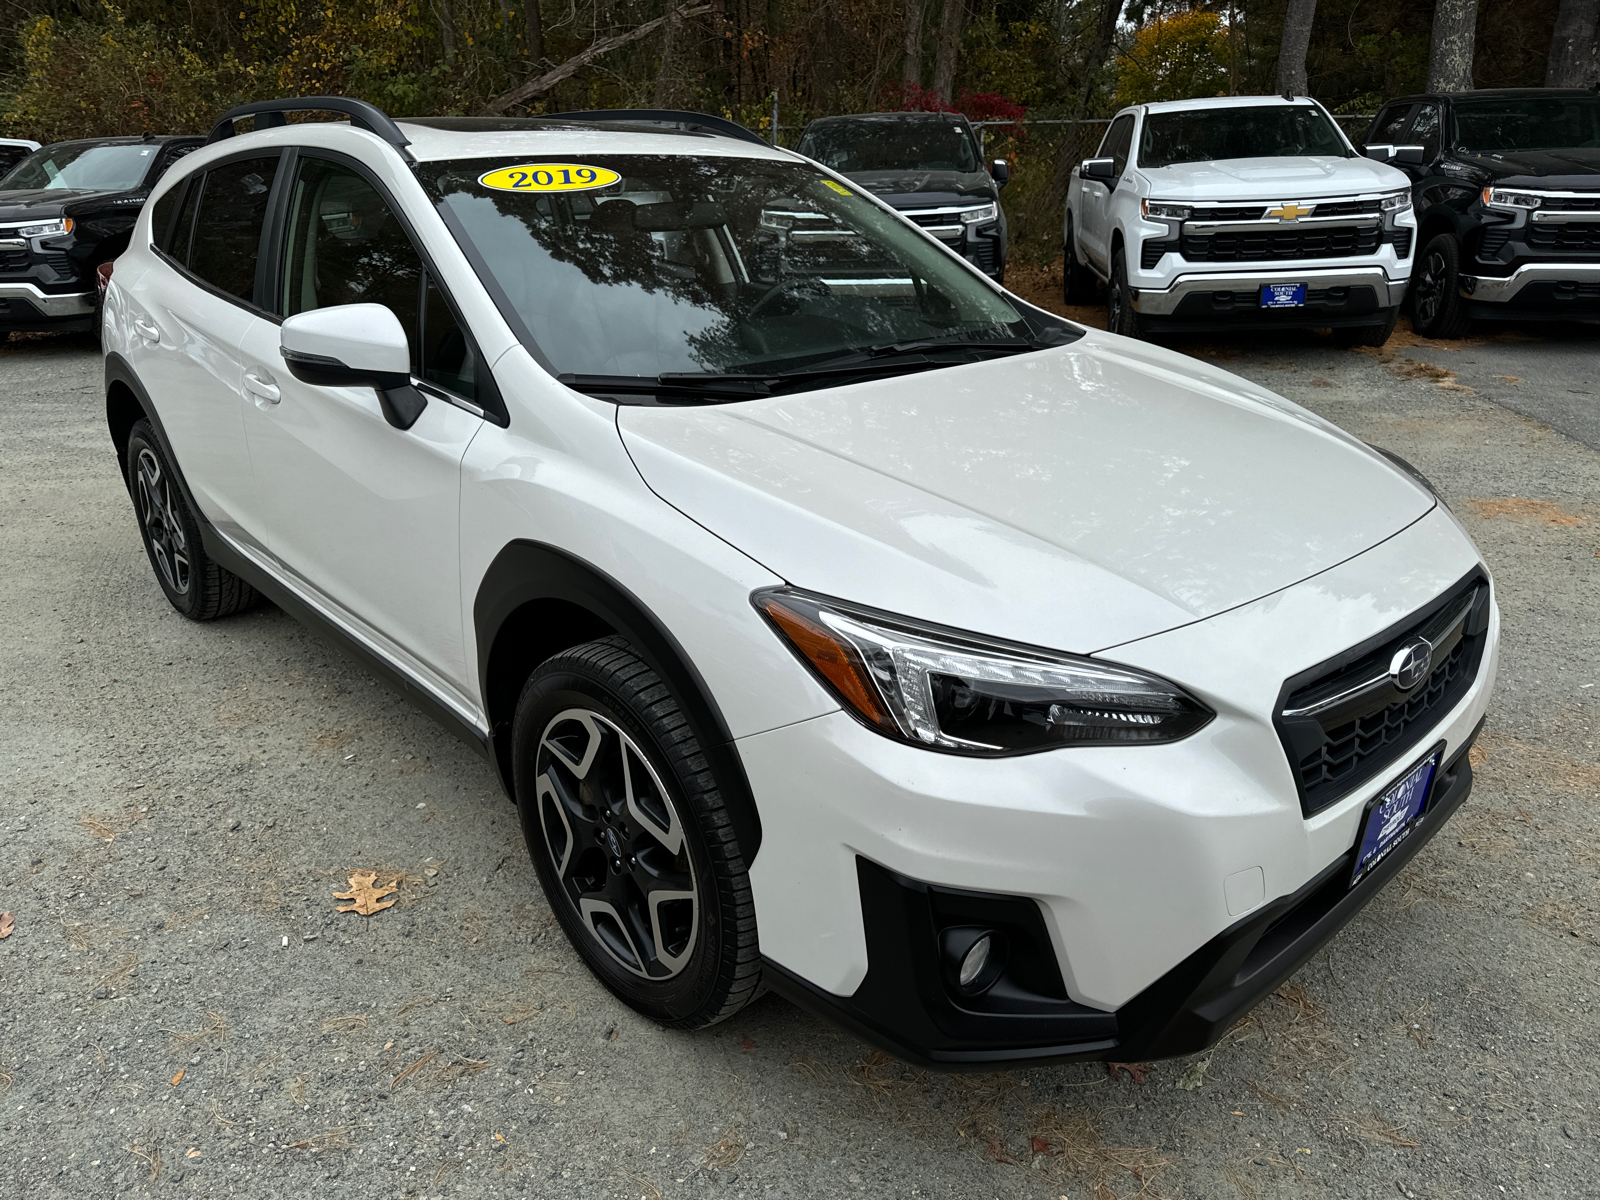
<point x="1527" y="123"/>
<point x="918" y="144"/>
<point x="709" y="264"/>
<point x="90" y="168"/>
<point x="1261" y="131"/>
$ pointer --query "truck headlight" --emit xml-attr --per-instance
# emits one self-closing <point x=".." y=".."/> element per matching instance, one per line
<point x="1159" y="211"/>
<point x="46" y="228"/>
<point x="969" y="695"/>
<point x="976" y="216"/>
<point x="1507" y="198"/>
<point x="1393" y="205"/>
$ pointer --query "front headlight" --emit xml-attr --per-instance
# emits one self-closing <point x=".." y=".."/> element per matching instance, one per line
<point x="968" y="695"/>
<point x="1158" y="211"/>
<point x="46" y="228"/>
<point x="1397" y="203"/>
<point x="974" y="216"/>
<point x="1505" y="198"/>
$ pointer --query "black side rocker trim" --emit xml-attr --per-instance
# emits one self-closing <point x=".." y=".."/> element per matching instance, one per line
<point x="901" y="1007"/>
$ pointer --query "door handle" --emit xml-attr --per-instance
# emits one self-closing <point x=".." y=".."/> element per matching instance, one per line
<point x="261" y="385"/>
<point x="146" y="330"/>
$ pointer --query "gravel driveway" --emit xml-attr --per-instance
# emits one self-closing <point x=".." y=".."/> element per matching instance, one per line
<point x="183" y="1013"/>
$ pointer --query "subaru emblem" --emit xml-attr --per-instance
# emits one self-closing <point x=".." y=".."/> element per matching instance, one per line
<point x="1410" y="664"/>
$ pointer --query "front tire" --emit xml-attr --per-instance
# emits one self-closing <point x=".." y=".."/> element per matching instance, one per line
<point x="1120" y="316"/>
<point x="1436" y="308"/>
<point x="194" y="585"/>
<point x="630" y="833"/>
<point x="1368" y="335"/>
<point x="1078" y="284"/>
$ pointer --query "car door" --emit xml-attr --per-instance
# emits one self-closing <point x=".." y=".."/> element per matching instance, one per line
<point x="362" y="516"/>
<point x="189" y="316"/>
<point x="1095" y="194"/>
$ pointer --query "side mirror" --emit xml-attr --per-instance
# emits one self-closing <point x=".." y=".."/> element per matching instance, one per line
<point x="1103" y="169"/>
<point x="1412" y="156"/>
<point x="1378" y="151"/>
<point x="1001" y="171"/>
<point x="354" y="345"/>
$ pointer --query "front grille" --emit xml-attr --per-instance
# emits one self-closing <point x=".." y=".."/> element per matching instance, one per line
<point x="1255" y="212"/>
<point x="1346" y="208"/>
<point x="1355" y="736"/>
<point x="1493" y="242"/>
<point x="1401" y="240"/>
<point x="1571" y="204"/>
<point x="1577" y="236"/>
<point x="1151" y="252"/>
<point x="1280" y="245"/>
<point x="14" y="262"/>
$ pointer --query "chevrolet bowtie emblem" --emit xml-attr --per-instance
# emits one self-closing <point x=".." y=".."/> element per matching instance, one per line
<point x="1290" y="211"/>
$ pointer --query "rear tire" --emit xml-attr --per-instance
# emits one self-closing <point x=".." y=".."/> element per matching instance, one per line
<point x="1078" y="284"/>
<point x="1368" y="335"/>
<point x="629" y="832"/>
<point x="194" y="585"/>
<point x="1120" y="316"/>
<point x="1436" y="307"/>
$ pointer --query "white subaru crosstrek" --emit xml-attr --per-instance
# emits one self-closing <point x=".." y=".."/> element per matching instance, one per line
<point x="839" y="623"/>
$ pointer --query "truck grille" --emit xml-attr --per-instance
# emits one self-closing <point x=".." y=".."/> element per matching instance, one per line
<point x="14" y="262"/>
<point x="1344" y="722"/>
<point x="1571" y="204"/>
<point x="1281" y="245"/>
<point x="1493" y="242"/>
<point x="1152" y="251"/>
<point x="1583" y="237"/>
<point x="1401" y="239"/>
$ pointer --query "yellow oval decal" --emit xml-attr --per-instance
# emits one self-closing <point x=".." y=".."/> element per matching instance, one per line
<point x="548" y="177"/>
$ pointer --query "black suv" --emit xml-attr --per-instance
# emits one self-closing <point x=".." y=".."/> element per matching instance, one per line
<point x="64" y="210"/>
<point x="930" y="167"/>
<point x="1507" y="196"/>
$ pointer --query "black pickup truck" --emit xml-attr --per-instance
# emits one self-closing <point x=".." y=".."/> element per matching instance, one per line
<point x="65" y="209"/>
<point x="1507" y="197"/>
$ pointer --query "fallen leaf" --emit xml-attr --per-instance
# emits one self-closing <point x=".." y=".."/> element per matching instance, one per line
<point x="5" y="925"/>
<point x="499" y="1137"/>
<point x="178" y="1078"/>
<point x="1195" y="1075"/>
<point x="366" y="893"/>
<point x="998" y="1151"/>
<point x="1040" y="1146"/>
<point x="746" y="1044"/>
<point x="192" y="1153"/>
<point x="1136" y="1071"/>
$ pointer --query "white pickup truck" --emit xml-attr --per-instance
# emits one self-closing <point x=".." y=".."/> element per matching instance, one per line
<point x="1242" y="211"/>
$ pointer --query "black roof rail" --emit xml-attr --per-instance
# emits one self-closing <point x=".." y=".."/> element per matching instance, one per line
<point x="269" y="114"/>
<point x="691" y="122"/>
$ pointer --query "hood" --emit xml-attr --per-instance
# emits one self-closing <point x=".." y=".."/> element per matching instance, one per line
<point x="916" y="189"/>
<point x="1075" y="498"/>
<point x="1561" y="170"/>
<point x="41" y="202"/>
<point x="1272" y="179"/>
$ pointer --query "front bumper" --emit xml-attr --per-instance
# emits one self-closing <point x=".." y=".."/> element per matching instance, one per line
<point x="1177" y="301"/>
<point x="905" y="1007"/>
<point x="24" y="307"/>
<point x="1537" y="291"/>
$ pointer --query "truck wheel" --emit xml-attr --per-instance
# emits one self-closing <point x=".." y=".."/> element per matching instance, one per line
<point x="1078" y="284"/>
<point x="1120" y="317"/>
<point x="628" y="830"/>
<point x="1436" y="308"/>
<point x="1368" y="335"/>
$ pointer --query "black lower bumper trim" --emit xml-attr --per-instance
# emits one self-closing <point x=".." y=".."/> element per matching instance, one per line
<point x="901" y="1006"/>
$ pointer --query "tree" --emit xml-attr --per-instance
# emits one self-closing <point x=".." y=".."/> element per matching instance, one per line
<point x="911" y="72"/>
<point x="951" y="19"/>
<point x="1450" y="62"/>
<point x="1073" y="143"/>
<point x="1175" y="58"/>
<point x="1575" y="45"/>
<point x="1292" y="49"/>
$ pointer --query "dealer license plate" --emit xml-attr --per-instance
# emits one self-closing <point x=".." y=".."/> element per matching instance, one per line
<point x="1392" y="816"/>
<point x="1283" y="295"/>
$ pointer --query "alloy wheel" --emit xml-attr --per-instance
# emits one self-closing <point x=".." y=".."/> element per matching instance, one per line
<point x="1430" y="287"/>
<point x="162" y="526"/>
<point x="616" y="842"/>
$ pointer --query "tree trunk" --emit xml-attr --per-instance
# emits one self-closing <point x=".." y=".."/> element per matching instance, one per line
<point x="447" y="32"/>
<point x="1292" y="50"/>
<point x="911" y="72"/>
<point x="667" y="72"/>
<point x="1575" y="45"/>
<point x="1071" y="151"/>
<point x="1454" y="27"/>
<point x="532" y="32"/>
<point x="951" y="18"/>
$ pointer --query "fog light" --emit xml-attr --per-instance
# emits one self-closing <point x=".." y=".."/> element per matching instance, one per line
<point x="976" y="960"/>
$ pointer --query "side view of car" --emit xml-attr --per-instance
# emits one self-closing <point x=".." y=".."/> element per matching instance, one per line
<point x="838" y="622"/>
<point x="927" y="166"/>
<point x="1236" y="212"/>
<point x="66" y="209"/>
<point x="1507" y="198"/>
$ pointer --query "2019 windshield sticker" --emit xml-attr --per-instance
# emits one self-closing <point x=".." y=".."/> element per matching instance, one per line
<point x="548" y="177"/>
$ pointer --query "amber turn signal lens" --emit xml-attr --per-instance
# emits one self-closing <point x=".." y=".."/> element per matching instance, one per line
<point x="836" y="661"/>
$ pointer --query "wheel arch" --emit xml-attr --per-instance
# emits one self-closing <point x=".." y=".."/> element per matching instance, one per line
<point x="1436" y="221"/>
<point x="535" y="601"/>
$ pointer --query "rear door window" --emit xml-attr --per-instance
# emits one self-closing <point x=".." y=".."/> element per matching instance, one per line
<point x="225" y="241"/>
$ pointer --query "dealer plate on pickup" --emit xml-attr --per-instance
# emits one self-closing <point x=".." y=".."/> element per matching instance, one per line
<point x="1392" y="815"/>
<point x="1283" y="295"/>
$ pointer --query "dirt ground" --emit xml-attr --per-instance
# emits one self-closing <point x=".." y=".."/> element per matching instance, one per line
<point x="183" y="1012"/>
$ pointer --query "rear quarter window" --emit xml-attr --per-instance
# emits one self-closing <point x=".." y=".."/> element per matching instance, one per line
<point x="226" y="238"/>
